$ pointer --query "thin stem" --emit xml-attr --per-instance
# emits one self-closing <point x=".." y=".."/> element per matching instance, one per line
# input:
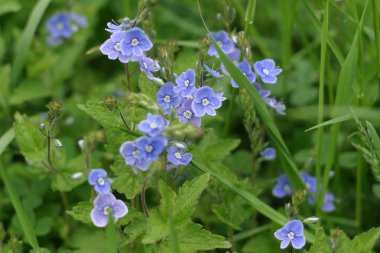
<point x="49" y="137"/>
<point x="143" y="201"/>
<point x="375" y="15"/>
<point x="128" y="76"/>
<point x="123" y="119"/>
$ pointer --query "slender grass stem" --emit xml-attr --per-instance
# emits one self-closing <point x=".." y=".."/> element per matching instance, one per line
<point x="375" y="15"/>
<point x="358" y="192"/>
<point x="249" y="15"/>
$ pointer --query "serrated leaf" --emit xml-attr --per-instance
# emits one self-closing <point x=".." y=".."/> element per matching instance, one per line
<point x="365" y="242"/>
<point x="81" y="212"/>
<point x="321" y="243"/>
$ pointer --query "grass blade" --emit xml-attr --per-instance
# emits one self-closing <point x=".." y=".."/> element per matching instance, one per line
<point x="26" y="226"/>
<point x="289" y="165"/>
<point x="260" y="206"/>
<point x="331" y="122"/>
<point x="249" y="14"/>
<point x="22" y="46"/>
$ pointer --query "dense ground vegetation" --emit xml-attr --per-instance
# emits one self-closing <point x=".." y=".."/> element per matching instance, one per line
<point x="189" y="126"/>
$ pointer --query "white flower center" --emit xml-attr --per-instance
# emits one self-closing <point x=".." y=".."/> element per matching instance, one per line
<point x="205" y="101"/>
<point x="187" y="82"/>
<point x="107" y="210"/>
<point x="266" y="72"/>
<point x="167" y="99"/>
<point x="145" y="65"/>
<point x="308" y="186"/>
<point x="153" y="125"/>
<point x="117" y="46"/>
<point x="177" y="155"/>
<point x="101" y="181"/>
<point x="148" y="148"/>
<point x="135" y="153"/>
<point x="287" y="188"/>
<point x="135" y="42"/>
<point x="219" y="43"/>
<point x="187" y="114"/>
<point x="291" y="235"/>
<point x="60" y="25"/>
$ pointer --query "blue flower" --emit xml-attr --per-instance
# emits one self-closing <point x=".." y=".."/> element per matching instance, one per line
<point x="185" y="114"/>
<point x="148" y="65"/>
<point x="234" y="55"/>
<point x="309" y="181"/>
<point x="177" y="157"/>
<point x="268" y="154"/>
<point x="105" y="205"/>
<point x="206" y="101"/>
<point x="328" y="203"/>
<point x="152" y="126"/>
<point x="246" y="69"/>
<point x="214" y="73"/>
<point x="267" y="70"/>
<point x="133" y="157"/>
<point x="282" y="187"/>
<point x="277" y="105"/>
<point x="112" y="48"/>
<point x="114" y="27"/>
<point x="151" y="148"/>
<point x="135" y="43"/>
<point x="223" y="41"/>
<point x="98" y="179"/>
<point x="62" y="25"/>
<point x="292" y="233"/>
<point x="167" y="98"/>
<point x="185" y="83"/>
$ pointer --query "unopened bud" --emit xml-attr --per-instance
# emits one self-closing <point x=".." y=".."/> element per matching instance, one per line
<point x="81" y="143"/>
<point x="42" y="126"/>
<point x="58" y="143"/>
<point x="311" y="220"/>
<point x="77" y="175"/>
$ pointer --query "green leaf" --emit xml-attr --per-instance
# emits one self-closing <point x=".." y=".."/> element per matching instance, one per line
<point x="7" y="6"/>
<point x="23" y="44"/>
<point x="5" y="73"/>
<point x="44" y="225"/>
<point x="321" y="244"/>
<point x="30" y="140"/>
<point x="81" y="212"/>
<point x="89" y="241"/>
<point x="147" y="86"/>
<point x="6" y="139"/>
<point x="365" y="242"/>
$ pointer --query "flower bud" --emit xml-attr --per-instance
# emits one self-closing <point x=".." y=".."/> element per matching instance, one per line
<point x="58" y="143"/>
<point x="311" y="220"/>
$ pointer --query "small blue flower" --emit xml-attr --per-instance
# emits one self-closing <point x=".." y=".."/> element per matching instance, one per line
<point x="114" y="27"/>
<point x="268" y="154"/>
<point x="167" y="98"/>
<point x="309" y="181"/>
<point x="135" y="43"/>
<point x="177" y="157"/>
<point x="328" y="203"/>
<point x="234" y="55"/>
<point x="212" y="72"/>
<point x="105" y="205"/>
<point x="206" y="101"/>
<point x="291" y="233"/>
<point x="151" y="148"/>
<point x="152" y="126"/>
<point x="185" y="114"/>
<point x="112" y="48"/>
<point x="267" y="70"/>
<point x="223" y="41"/>
<point x="148" y="65"/>
<point x="133" y="157"/>
<point x="185" y="83"/>
<point x="277" y="105"/>
<point x="282" y="187"/>
<point x="98" y="179"/>
<point x="77" y="20"/>
<point x="246" y="69"/>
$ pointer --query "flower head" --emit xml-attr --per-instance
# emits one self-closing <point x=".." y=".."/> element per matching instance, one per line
<point x="178" y="157"/>
<point x="151" y="148"/>
<point x="291" y="233"/>
<point x="328" y="203"/>
<point x="152" y="125"/>
<point x="167" y="98"/>
<point x="135" y="43"/>
<point x="246" y="69"/>
<point x="309" y="181"/>
<point x="185" y="114"/>
<point x="268" y="154"/>
<point x="273" y="103"/>
<point x="106" y="205"/>
<point x="133" y="156"/>
<point x="185" y="83"/>
<point x="223" y="41"/>
<point x="282" y="187"/>
<point x="206" y="101"/>
<point x="98" y="179"/>
<point x="112" y="48"/>
<point x="148" y="65"/>
<point x="267" y="70"/>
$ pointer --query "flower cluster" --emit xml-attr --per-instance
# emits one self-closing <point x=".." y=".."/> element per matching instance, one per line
<point x="265" y="69"/>
<point x="291" y="233"/>
<point x="129" y="44"/>
<point x="62" y="26"/>
<point x="105" y="204"/>
<point x="283" y="189"/>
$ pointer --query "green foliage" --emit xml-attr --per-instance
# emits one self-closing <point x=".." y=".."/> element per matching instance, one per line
<point x="175" y="211"/>
<point x="81" y="212"/>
